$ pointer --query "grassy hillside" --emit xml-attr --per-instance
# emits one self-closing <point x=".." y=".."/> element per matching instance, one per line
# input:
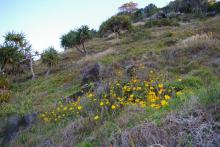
<point x="184" y="57"/>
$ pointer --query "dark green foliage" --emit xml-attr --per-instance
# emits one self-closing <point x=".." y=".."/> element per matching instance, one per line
<point x="68" y="40"/>
<point x="150" y="10"/>
<point x="115" y="24"/>
<point x="50" y="56"/>
<point x="13" y="51"/>
<point x="187" y="6"/>
<point x="76" y="38"/>
<point x="9" y="58"/>
<point x="161" y="22"/>
<point x="138" y="15"/>
<point x="214" y="7"/>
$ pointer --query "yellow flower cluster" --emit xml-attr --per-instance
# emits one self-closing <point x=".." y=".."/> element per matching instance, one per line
<point x="142" y="93"/>
<point x="62" y="111"/>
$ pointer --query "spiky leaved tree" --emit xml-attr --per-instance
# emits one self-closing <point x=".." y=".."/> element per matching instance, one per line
<point x="15" y="51"/>
<point x="76" y="39"/>
<point x="50" y="57"/>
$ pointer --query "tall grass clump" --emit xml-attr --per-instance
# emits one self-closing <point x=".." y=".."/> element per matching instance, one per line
<point x="200" y="41"/>
<point x="4" y="89"/>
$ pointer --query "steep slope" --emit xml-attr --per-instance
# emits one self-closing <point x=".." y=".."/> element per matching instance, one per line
<point x="189" y="52"/>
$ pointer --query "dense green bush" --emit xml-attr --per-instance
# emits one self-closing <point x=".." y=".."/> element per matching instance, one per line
<point x="161" y="22"/>
<point x="50" y="56"/>
<point x="116" y="24"/>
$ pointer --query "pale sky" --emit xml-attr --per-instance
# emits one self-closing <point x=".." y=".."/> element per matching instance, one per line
<point x="44" y="21"/>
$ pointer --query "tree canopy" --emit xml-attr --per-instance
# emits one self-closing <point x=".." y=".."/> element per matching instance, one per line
<point x="50" y="56"/>
<point x="15" y="51"/>
<point x="128" y="7"/>
<point x="115" y="24"/>
<point x="150" y="9"/>
<point x="76" y="39"/>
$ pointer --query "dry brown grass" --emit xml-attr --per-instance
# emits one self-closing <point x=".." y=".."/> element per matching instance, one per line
<point x="96" y="57"/>
<point x="199" y="41"/>
<point x="195" y="127"/>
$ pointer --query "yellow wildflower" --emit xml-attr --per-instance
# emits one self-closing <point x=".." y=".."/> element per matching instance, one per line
<point x="160" y="85"/>
<point x="151" y="88"/>
<point x="164" y="103"/>
<point x="132" y="96"/>
<point x="65" y="108"/>
<point x="157" y="106"/>
<point x="179" y="80"/>
<point x="113" y="107"/>
<point x="46" y="119"/>
<point x="139" y="88"/>
<point x="101" y="104"/>
<point x="96" y="117"/>
<point x="160" y="91"/>
<point x="167" y="97"/>
<point x="79" y="107"/>
<point x="179" y="93"/>
<point x="135" y="81"/>
<point x="90" y="95"/>
<point x="152" y="105"/>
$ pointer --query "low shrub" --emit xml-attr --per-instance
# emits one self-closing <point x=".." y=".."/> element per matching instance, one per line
<point x="161" y="22"/>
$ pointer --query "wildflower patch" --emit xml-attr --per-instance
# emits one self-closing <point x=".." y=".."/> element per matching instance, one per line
<point x="149" y="93"/>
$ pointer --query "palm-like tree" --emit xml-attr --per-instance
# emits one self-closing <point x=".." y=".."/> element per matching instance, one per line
<point x="50" y="57"/>
<point x="16" y="51"/>
<point x="76" y="39"/>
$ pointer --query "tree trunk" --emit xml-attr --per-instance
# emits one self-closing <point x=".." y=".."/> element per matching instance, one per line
<point x="116" y="38"/>
<point x="31" y="67"/>
<point x="84" y="48"/>
<point x="48" y="71"/>
<point x="79" y="50"/>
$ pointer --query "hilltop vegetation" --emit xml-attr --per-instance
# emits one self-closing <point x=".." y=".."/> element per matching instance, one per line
<point x="146" y="78"/>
